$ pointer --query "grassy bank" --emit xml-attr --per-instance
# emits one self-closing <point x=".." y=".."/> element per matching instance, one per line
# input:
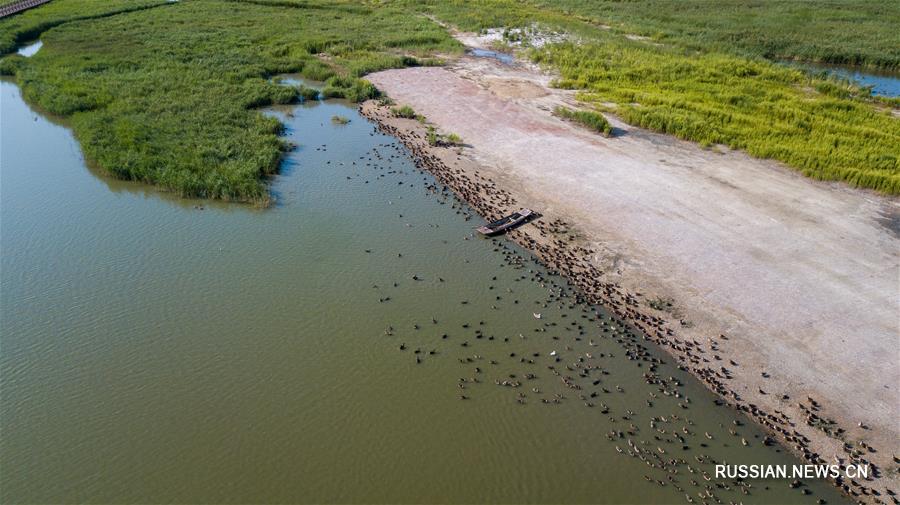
<point x="167" y="95"/>
<point x="765" y="110"/>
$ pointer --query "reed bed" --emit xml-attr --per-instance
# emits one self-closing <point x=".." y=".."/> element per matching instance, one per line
<point x="817" y="127"/>
<point x="166" y="93"/>
<point x="589" y="119"/>
<point x="825" y="128"/>
<point x="855" y="32"/>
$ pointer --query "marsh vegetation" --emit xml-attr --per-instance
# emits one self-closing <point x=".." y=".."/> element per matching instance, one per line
<point x="826" y="128"/>
<point x="858" y="32"/>
<point x="166" y="93"/>
<point x="589" y="119"/>
<point x="823" y="129"/>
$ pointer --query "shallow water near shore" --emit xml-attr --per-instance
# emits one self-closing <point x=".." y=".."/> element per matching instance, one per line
<point x="156" y="349"/>
<point x="883" y="83"/>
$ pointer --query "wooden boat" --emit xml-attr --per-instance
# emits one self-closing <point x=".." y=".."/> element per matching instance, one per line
<point x="510" y="221"/>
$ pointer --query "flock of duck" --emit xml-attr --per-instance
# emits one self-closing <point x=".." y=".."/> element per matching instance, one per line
<point x="579" y="365"/>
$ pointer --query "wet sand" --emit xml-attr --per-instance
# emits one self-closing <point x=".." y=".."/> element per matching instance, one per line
<point x="779" y="292"/>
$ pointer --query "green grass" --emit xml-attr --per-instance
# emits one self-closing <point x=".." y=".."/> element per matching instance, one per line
<point x="859" y="32"/>
<point x="168" y="95"/>
<point x="308" y="93"/>
<point x="30" y="24"/>
<point x="437" y="139"/>
<point x="591" y="120"/>
<point x="763" y="109"/>
<point x="826" y="129"/>
<point x="405" y="112"/>
<point x="432" y="136"/>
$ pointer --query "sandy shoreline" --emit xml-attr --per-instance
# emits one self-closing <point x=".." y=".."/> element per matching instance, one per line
<point x="784" y="383"/>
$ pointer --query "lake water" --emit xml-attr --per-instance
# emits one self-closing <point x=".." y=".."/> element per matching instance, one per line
<point x="883" y="83"/>
<point x="156" y="349"/>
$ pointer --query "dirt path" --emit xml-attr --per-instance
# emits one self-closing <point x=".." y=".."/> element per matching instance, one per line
<point x="802" y="277"/>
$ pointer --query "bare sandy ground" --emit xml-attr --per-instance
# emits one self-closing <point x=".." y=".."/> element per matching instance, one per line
<point x="802" y="276"/>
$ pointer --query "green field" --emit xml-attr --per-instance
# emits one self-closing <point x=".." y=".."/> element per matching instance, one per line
<point x="166" y="93"/>
<point x="860" y="32"/>
<point x="30" y="24"/>
<point x="826" y="129"/>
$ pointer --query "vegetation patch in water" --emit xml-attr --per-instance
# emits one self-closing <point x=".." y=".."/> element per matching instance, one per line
<point x="351" y="88"/>
<point x="307" y="92"/>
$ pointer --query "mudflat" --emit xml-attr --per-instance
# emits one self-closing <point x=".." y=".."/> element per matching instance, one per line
<point x="801" y="277"/>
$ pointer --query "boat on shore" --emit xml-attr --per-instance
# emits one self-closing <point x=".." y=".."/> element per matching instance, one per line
<point x="506" y="223"/>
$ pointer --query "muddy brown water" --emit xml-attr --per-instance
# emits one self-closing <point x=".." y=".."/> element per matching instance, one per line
<point x="156" y="349"/>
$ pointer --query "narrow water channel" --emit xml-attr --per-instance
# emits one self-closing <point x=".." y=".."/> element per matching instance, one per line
<point x="504" y="58"/>
<point x="158" y="350"/>
<point x="883" y="83"/>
